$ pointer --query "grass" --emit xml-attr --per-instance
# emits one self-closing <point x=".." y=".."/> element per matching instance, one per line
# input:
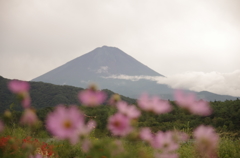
<point x="229" y="148"/>
<point x="105" y="147"/>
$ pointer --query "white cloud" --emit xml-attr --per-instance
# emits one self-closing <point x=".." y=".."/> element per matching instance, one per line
<point x="102" y="69"/>
<point x="220" y="83"/>
<point x="132" y="78"/>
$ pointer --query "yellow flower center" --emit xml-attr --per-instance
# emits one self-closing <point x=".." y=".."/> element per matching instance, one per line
<point x="67" y="124"/>
<point x="117" y="124"/>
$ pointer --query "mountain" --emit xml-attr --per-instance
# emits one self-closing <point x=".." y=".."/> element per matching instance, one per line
<point x="104" y="65"/>
<point x="97" y="64"/>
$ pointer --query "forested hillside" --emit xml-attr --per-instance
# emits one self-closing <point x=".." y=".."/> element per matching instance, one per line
<point x="44" y="95"/>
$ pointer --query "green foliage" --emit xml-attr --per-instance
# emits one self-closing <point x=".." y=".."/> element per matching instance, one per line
<point x="229" y="148"/>
<point x="225" y="118"/>
<point x="45" y="95"/>
<point x="187" y="150"/>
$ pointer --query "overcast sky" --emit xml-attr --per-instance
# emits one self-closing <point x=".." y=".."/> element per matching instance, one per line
<point x="187" y="39"/>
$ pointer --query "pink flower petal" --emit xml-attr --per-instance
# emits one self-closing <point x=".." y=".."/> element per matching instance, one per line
<point x="165" y="141"/>
<point x="91" y="98"/>
<point x="17" y="86"/>
<point x="66" y="123"/>
<point x="129" y="110"/>
<point x="206" y="141"/>
<point x="119" y="125"/>
<point x="146" y="134"/>
<point x="154" y="104"/>
<point x="189" y="102"/>
<point x="29" y="117"/>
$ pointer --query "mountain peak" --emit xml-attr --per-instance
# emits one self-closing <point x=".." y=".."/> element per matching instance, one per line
<point x="106" y="50"/>
<point x="104" y="46"/>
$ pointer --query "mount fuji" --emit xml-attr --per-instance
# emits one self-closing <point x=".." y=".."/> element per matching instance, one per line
<point x="102" y="66"/>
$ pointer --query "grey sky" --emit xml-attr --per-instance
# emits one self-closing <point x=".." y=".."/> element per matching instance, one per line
<point x="170" y="36"/>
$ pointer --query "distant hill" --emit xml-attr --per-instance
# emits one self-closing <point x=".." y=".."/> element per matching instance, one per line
<point x="45" y="95"/>
<point x="99" y="65"/>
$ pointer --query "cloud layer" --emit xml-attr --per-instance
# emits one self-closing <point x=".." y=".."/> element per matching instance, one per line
<point x="220" y="83"/>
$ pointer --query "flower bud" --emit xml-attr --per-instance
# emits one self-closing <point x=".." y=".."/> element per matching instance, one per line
<point x="7" y="114"/>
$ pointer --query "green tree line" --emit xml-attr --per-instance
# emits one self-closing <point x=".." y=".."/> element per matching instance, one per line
<point x="46" y="95"/>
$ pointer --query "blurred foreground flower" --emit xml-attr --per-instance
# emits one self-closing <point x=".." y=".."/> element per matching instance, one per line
<point x="21" y="88"/>
<point x="119" y="124"/>
<point x="189" y="102"/>
<point x="115" y="98"/>
<point x="37" y="156"/>
<point x="92" y="97"/>
<point x="165" y="141"/>
<point x="85" y="129"/>
<point x="129" y="110"/>
<point x="65" y="123"/>
<point x="17" y="86"/>
<point x="29" y="117"/>
<point x="154" y="104"/>
<point x="26" y="101"/>
<point x="206" y="141"/>
<point x="146" y="134"/>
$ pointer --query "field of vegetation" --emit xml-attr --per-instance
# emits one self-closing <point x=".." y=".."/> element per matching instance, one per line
<point x="228" y="146"/>
<point x="120" y="130"/>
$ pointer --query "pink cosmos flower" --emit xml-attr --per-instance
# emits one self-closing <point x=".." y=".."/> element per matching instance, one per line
<point x="91" y="124"/>
<point x="130" y="111"/>
<point x="146" y="134"/>
<point x="206" y="141"/>
<point x="86" y="129"/>
<point x="154" y="104"/>
<point x="21" y="88"/>
<point x="201" y="108"/>
<point x="66" y="123"/>
<point x="17" y="86"/>
<point x="115" y="98"/>
<point x="1" y="126"/>
<point x="26" y="101"/>
<point x="119" y="125"/>
<point x="91" y="98"/>
<point x="189" y="102"/>
<point x="37" y="156"/>
<point x="29" y="117"/>
<point x="165" y="141"/>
